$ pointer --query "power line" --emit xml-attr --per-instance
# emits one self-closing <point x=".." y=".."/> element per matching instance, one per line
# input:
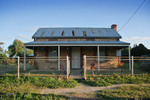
<point x="132" y="16"/>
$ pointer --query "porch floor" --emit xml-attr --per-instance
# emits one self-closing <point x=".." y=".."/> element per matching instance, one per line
<point x="75" y="74"/>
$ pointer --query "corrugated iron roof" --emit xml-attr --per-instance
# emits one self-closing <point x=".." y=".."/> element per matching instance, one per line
<point x="104" y="43"/>
<point x="76" y="33"/>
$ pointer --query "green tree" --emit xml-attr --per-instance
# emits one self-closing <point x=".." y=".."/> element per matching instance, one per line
<point x="17" y="48"/>
<point x="1" y="49"/>
<point x="139" y="50"/>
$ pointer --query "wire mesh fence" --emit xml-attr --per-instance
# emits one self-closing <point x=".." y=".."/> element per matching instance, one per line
<point x="114" y="65"/>
<point x="35" y="66"/>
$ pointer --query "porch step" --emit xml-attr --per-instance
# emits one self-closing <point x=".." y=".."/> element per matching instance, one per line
<point x="75" y="74"/>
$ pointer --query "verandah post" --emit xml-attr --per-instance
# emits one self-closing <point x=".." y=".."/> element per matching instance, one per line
<point x="67" y="61"/>
<point x="18" y="65"/>
<point x="58" y="58"/>
<point x="98" y="58"/>
<point x="84" y="58"/>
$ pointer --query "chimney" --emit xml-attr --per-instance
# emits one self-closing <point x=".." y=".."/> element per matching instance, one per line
<point x="114" y="26"/>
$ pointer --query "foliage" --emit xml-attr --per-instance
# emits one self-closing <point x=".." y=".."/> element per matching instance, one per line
<point x="32" y="96"/>
<point x="17" y="48"/>
<point x="1" y="49"/>
<point x="145" y="66"/>
<point x="127" y="92"/>
<point x="109" y="80"/>
<point x="139" y="50"/>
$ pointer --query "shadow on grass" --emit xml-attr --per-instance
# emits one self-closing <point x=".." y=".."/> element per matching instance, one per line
<point x="33" y="96"/>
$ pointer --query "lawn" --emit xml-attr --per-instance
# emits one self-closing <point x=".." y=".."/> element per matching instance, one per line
<point x="13" y="84"/>
<point x="127" y="92"/>
<point x="32" y="96"/>
<point x="29" y="87"/>
<point x="109" y="80"/>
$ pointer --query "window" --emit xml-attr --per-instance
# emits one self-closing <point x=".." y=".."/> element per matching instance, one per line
<point x="52" y="53"/>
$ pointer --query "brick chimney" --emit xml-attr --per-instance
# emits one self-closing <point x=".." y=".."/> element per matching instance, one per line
<point x="114" y="26"/>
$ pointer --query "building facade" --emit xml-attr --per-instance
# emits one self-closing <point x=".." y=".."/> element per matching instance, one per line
<point x="75" y="43"/>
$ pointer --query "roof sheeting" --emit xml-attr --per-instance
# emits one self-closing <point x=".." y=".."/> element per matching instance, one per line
<point x="76" y="43"/>
<point x="76" y="32"/>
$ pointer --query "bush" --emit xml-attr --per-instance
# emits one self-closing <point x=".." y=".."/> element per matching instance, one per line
<point x="145" y="66"/>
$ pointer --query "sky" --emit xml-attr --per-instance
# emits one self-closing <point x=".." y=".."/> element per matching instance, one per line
<point x="20" y="19"/>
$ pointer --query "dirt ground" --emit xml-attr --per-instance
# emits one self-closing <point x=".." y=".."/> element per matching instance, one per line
<point x="82" y="91"/>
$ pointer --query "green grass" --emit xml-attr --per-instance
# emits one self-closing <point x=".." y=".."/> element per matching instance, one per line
<point x="28" y="87"/>
<point x="109" y="80"/>
<point x="26" y="84"/>
<point x="126" y="92"/>
<point x="32" y="96"/>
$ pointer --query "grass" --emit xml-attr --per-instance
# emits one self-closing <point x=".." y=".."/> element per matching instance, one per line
<point x="32" y="96"/>
<point x="109" y="80"/>
<point x="28" y="87"/>
<point x="126" y="92"/>
<point x="25" y="84"/>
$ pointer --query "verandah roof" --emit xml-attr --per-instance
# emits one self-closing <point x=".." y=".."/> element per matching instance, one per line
<point x="77" y="43"/>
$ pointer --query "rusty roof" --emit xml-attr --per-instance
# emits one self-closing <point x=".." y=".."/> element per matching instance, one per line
<point x="76" y="33"/>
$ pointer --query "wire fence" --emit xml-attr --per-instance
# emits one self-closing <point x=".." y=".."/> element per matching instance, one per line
<point x="35" y="66"/>
<point x="93" y="66"/>
<point x="114" y="65"/>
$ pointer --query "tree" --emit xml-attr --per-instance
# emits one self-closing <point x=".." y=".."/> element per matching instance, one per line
<point x="1" y="49"/>
<point x="17" y="48"/>
<point x="139" y="50"/>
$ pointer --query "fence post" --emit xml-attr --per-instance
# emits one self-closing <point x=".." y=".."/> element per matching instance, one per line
<point x="67" y="67"/>
<point x="132" y="65"/>
<point x="84" y="66"/>
<point x="18" y="65"/>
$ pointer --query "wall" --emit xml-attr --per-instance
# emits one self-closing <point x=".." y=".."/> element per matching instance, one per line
<point x="42" y="61"/>
<point x="86" y="50"/>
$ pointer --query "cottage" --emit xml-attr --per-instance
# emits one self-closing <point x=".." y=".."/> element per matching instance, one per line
<point x="75" y="42"/>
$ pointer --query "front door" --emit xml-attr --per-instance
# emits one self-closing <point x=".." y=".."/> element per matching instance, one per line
<point x="75" y="57"/>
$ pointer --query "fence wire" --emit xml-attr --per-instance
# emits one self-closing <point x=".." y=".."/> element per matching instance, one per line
<point x="113" y="65"/>
<point x="34" y="66"/>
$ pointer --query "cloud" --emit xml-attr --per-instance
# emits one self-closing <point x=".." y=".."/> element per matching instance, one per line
<point x="137" y="39"/>
<point x="24" y="37"/>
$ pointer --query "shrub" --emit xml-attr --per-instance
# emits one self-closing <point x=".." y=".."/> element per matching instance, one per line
<point x="145" y="66"/>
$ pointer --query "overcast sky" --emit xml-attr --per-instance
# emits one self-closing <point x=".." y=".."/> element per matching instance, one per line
<point x="19" y="19"/>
